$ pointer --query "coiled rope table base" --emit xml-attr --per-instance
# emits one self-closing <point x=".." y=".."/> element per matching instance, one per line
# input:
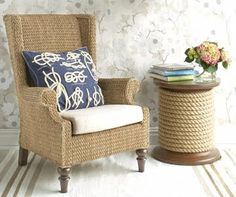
<point x="186" y="123"/>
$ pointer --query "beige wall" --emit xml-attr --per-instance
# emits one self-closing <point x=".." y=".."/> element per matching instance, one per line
<point x="131" y="36"/>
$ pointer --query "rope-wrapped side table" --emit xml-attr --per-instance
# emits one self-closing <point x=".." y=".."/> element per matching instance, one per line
<point x="186" y="123"/>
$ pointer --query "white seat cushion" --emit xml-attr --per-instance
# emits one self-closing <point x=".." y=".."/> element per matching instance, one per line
<point x="103" y="117"/>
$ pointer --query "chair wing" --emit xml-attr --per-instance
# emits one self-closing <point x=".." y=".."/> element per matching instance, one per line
<point x="52" y="33"/>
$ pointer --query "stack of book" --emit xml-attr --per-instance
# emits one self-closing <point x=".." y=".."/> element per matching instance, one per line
<point x="172" y="72"/>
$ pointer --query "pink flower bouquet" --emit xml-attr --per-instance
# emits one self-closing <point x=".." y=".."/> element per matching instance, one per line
<point x="207" y="55"/>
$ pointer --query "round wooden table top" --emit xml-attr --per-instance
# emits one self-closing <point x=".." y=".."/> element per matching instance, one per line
<point x="187" y="85"/>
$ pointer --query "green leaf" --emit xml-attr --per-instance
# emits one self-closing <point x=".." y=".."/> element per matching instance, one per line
<point x="198" y="60"/>
<point x="186" y="52"/>
<point x="211" y="69"/>
<point x="189" y="60"/>
<point x="225" y="64"/>
<point x="204" y="65"/>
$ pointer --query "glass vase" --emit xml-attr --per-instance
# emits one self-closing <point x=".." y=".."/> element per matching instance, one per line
<point x="205" y="76"/>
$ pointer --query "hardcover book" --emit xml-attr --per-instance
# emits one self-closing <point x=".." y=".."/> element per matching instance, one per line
<point x="172" y="72"/>
<point x="172" y="67"/>
<point x="172" y="78"/>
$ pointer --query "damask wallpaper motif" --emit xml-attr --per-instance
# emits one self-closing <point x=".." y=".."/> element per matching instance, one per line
<point x="131" y="36"/>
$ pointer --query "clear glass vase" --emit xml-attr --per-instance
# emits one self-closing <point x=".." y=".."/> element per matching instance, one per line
<point x="205" y="76"/>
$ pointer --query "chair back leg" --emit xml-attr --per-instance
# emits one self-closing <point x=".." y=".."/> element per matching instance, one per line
<point x="141" y="159"/>
<point x="23" y="157"/>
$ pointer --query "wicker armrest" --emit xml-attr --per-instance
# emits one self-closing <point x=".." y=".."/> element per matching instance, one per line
<point x="40" y="95"/>
<point x="119" y="90"/>
<point x="45" y="97"/>
<point x="43" y="130"/>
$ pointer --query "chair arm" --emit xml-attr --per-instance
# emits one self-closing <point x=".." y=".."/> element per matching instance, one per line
<point x="40" y="95"/>
<point x="44" y="97"/>
<point x="119" y="90"/>
<point x="43" y="130"/>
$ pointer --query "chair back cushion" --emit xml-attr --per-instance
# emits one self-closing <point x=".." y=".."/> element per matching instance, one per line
<point x="71" y="74"/>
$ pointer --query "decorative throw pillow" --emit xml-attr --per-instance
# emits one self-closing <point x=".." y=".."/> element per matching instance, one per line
<point x="71" y="74"/>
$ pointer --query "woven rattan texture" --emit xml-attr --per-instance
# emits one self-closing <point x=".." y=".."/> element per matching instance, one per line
<point x="42" y="129"/>
<point x="186" y="120"/>
<point x="122" y="87"/>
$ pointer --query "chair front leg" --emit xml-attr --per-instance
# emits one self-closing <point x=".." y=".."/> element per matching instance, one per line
<point x="23" y="157"/>
<point x="64" y="178"/>
<point x="141" y="159"/>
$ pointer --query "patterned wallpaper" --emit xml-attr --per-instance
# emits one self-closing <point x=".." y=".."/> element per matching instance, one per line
<point x="131" y="36"/>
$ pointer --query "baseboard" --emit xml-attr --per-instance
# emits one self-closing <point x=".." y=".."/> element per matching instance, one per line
<point x="9" y="138"/>
<point x="153" y="136"/>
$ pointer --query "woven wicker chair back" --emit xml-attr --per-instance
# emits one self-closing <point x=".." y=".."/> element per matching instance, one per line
<point x="51" y="33"/>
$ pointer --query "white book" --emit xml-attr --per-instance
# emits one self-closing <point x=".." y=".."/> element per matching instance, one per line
<point x="173" y="66"/>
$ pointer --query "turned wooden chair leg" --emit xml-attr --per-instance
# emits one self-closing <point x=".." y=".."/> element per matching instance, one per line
<point x="23" y="157"/>
<point x="64" y="178"/>
<point x="141" y="159"/>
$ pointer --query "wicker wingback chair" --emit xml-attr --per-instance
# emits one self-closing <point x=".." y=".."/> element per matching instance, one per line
<point x="42" y="129"/>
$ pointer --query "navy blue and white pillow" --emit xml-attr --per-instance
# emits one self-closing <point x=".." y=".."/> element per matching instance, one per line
<point x="71" y="74"/>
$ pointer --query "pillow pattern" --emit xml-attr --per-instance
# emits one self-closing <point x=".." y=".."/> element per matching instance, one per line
<point x="71" y="74"/>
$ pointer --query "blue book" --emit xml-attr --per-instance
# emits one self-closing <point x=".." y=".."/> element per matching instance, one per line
<point x="167" y="73"/>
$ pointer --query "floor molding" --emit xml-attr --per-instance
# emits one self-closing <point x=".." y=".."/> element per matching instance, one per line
<point x="9" y="137"/>
<point x="153" y="136"/>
